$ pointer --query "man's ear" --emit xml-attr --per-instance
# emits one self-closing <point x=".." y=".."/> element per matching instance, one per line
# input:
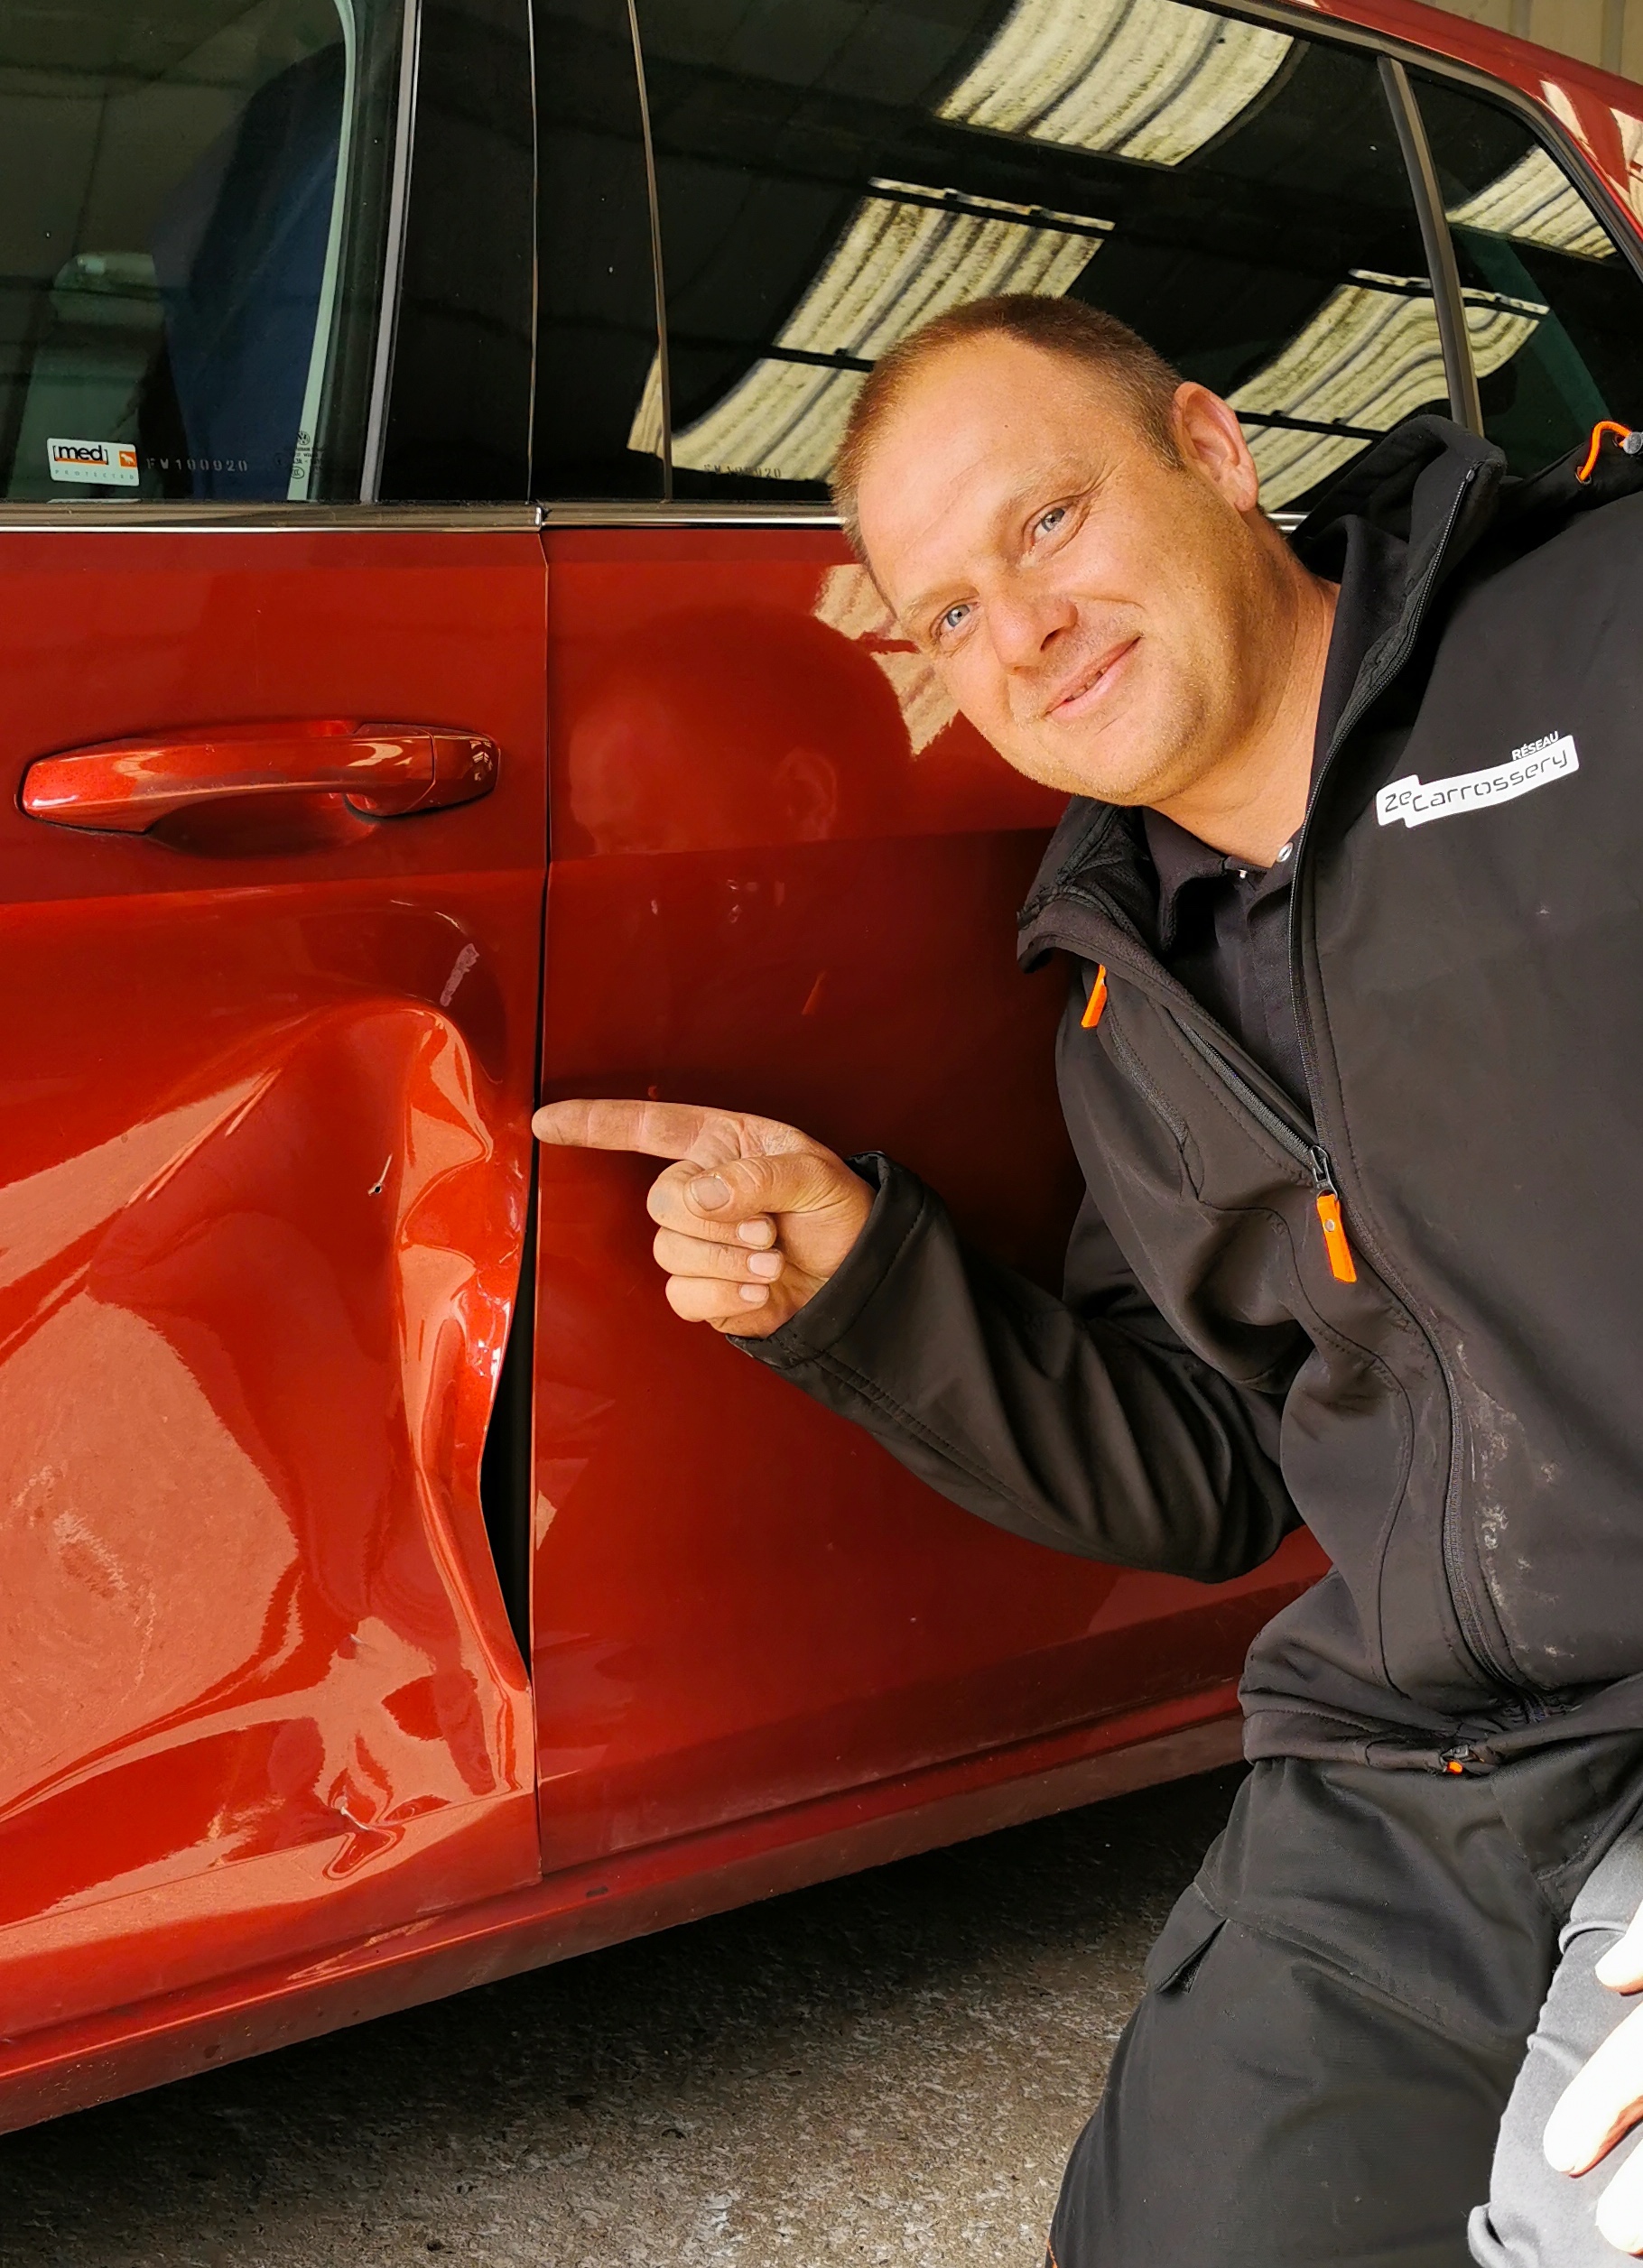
<point x="1211" y="444"/>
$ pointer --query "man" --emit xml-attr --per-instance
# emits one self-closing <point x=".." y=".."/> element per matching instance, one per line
<point x="1350" y="883"/>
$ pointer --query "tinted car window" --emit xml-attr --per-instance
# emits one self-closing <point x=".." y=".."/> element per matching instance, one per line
<point x="192" y="213"/>
<point x="831" y="175"/>
<point x="597" y="334"/>
<point x="459" y="423"/>
<point x="1553" y="310"/>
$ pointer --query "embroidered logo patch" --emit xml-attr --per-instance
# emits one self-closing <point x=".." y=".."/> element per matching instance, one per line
<point x="1534" y="765"/>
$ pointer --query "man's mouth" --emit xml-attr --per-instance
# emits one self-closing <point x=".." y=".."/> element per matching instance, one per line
<point x="1091" y="684"/>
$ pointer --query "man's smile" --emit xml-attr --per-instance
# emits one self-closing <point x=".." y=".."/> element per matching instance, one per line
<point x="1090" y="684"/>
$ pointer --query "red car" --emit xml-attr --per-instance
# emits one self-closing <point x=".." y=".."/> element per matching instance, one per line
<point x="434" y="680"/>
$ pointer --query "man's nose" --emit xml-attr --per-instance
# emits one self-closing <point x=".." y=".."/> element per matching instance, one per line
<point x="1025" y="624"/>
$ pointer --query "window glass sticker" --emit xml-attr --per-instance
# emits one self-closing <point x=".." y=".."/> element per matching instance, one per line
<point x="830" y="180"/>
<point x="191" y="236"/>
<point x="102" y="464"/>
<point x="1554" y="312"/>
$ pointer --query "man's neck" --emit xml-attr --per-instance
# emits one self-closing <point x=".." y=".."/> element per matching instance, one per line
<point x="1253" y="803"/>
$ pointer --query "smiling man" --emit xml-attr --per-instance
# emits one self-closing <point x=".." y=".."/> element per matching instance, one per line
<point x="1349" y="886"/>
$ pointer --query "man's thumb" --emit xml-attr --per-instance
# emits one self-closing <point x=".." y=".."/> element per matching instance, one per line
<point x="801" y="1181"/>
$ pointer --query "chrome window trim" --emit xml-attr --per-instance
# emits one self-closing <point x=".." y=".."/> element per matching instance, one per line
<point x="394" y="253"/>
<point x="1465" y="403"/>
<point x="322" y="347"/>
<point x="268" y="519"/>
<point x="684" y="513"/>
<point x="410" y="518"/>
<point x="658" y="275"/>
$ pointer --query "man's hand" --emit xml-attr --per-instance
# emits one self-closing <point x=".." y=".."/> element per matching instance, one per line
<point x="1604" y="2100"/>
<point x="752" y="1219"/>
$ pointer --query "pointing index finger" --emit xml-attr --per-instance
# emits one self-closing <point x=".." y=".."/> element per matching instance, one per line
<point x="655" y="1130"/>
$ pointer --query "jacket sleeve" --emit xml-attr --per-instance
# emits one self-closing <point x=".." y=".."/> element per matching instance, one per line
<point x="1081" y="1423"/>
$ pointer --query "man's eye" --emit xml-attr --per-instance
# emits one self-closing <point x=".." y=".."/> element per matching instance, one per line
<point x="1048" y="521"/>
<point x="954" y="619"/>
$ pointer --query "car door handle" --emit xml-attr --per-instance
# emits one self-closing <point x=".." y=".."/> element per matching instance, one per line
<point x="382" y="771"/>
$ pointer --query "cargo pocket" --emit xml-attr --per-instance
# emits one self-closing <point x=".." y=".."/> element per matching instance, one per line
<point x="1186" y="1937"/>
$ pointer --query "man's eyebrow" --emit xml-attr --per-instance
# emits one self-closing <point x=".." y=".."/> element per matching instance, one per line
<point x="1066" y="475"/>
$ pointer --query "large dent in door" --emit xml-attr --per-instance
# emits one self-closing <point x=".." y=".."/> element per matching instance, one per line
<point x="250" y="1637"/>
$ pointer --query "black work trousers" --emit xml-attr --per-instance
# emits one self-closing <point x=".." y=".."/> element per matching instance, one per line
<point x="1335" y="2015"/>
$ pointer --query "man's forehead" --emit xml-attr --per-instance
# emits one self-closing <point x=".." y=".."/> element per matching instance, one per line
<point x="978" y="436"/>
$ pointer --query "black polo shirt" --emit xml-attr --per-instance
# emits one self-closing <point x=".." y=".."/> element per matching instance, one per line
<point x="1223" y="930"/>
<point x="1222" y="924"/>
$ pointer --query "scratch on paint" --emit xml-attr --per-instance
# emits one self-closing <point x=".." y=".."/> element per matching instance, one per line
<point x="465" y="960"/>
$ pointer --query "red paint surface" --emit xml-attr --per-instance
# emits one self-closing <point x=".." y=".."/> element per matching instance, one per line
<point x="262" y="1096"/>
<point x="261" y="1119"/>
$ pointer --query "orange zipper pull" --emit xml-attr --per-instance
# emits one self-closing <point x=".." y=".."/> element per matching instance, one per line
<point x="1097" y="1000"/>
<point x="1341" y="1262"/>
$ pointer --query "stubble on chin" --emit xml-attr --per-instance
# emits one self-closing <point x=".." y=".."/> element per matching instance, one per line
<point x="1124" y="767"/>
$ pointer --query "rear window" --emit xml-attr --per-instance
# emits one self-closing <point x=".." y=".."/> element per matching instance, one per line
<point x="191" y="218"/>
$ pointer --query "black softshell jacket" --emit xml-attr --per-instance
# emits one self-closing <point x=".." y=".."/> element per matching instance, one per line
<point x="1462" y="1427"/>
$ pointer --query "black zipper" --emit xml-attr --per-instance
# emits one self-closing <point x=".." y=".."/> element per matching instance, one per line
<point x="1457" y="1574"/>
<point x="1141" y="1078"/>
<point x="1302" y="1146"/>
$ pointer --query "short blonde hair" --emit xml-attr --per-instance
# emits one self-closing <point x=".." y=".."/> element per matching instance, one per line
<point x="1067" y="327"/>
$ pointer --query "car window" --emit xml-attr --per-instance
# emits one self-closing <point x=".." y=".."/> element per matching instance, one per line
<point x="192" y="211"/>
<point x="596" y="281"/>
<point x="831" y="175"/>
<point x="1553" y="310"/>
<point x="457" y="426"/>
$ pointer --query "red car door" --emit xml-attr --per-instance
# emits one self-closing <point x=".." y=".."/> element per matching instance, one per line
<point x="269" y="1023"/>
<point x="784" y="880"/>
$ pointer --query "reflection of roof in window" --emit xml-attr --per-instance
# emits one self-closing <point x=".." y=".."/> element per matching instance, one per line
<point x="1142" y="79"/>
<point x="1533" y="203"/>
<point x="898" y="263"/>
<point x="1369" y="355"/>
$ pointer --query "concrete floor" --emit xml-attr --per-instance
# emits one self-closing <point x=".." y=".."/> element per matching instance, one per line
<point x="888" y="2068"/>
